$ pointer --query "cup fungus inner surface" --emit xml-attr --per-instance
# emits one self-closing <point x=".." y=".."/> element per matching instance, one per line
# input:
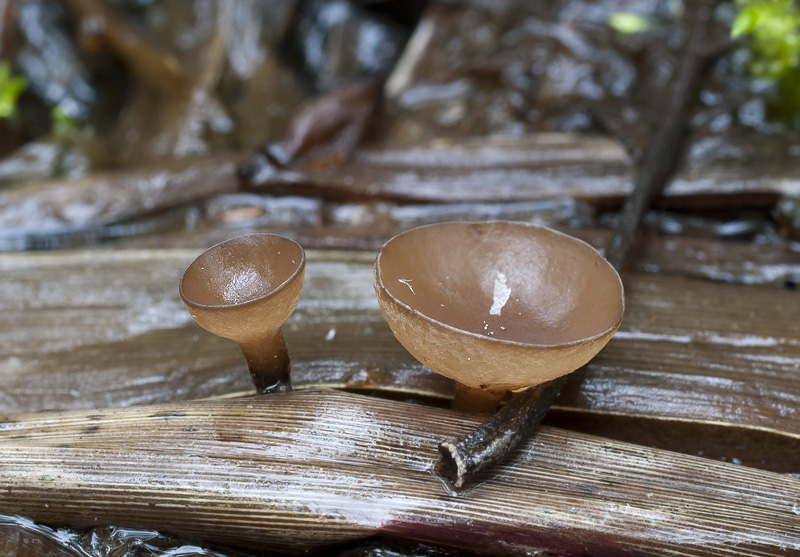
<point x="241" y="270"/>
<point x="503" y="280"/>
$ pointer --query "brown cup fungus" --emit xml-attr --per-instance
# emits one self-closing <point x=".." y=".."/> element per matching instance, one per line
<point x="497" y="306"/>
<point x="244" y="289"/>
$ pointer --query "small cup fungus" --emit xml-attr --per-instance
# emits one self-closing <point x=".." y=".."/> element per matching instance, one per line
<point x="497" y="306"/>
<point x="244" y="289"/>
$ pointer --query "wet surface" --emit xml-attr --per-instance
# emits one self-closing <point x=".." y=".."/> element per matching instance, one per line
<point x="109" y="329"/>
<point x="51" y="61"/>
<point x="24" y="538"/>
<point x="467" y="132"/>
<point x="573" y="63"/>
<point x="510" y="68"/>
<point x="360" y="466"/>
<point x="334" y="42"/>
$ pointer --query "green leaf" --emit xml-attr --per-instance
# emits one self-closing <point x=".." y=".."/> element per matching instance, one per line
<point x="743" y="24"/>
<point x="628" y="23"/>
<point x="773" y="31"/>
<point x="11" y="87"/>
<point x="63" y="124"/>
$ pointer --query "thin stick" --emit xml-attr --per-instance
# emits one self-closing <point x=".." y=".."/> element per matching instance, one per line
<point x="462" y="459"/>
<point x="665" y="147"/>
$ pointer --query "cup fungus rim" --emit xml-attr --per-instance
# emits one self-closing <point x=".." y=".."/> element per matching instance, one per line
<point x="300" y="267"/>
<point x="515" y="343"/>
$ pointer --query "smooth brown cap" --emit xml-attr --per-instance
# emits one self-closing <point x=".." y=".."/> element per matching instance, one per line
<point x="498" y="305"/>
<point x="245" y="287"/>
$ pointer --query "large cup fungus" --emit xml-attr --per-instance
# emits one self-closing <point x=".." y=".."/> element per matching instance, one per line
<point x="244" y="289"/>
<point x="497" y="306"/>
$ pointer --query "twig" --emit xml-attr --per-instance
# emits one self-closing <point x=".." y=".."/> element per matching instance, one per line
<point x="665" y="147"/>
<point x="463" y="458"/>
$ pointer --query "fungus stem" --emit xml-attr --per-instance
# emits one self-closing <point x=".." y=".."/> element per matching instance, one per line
<point x="473" y="400"/>
<point x="269" y="364"/>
